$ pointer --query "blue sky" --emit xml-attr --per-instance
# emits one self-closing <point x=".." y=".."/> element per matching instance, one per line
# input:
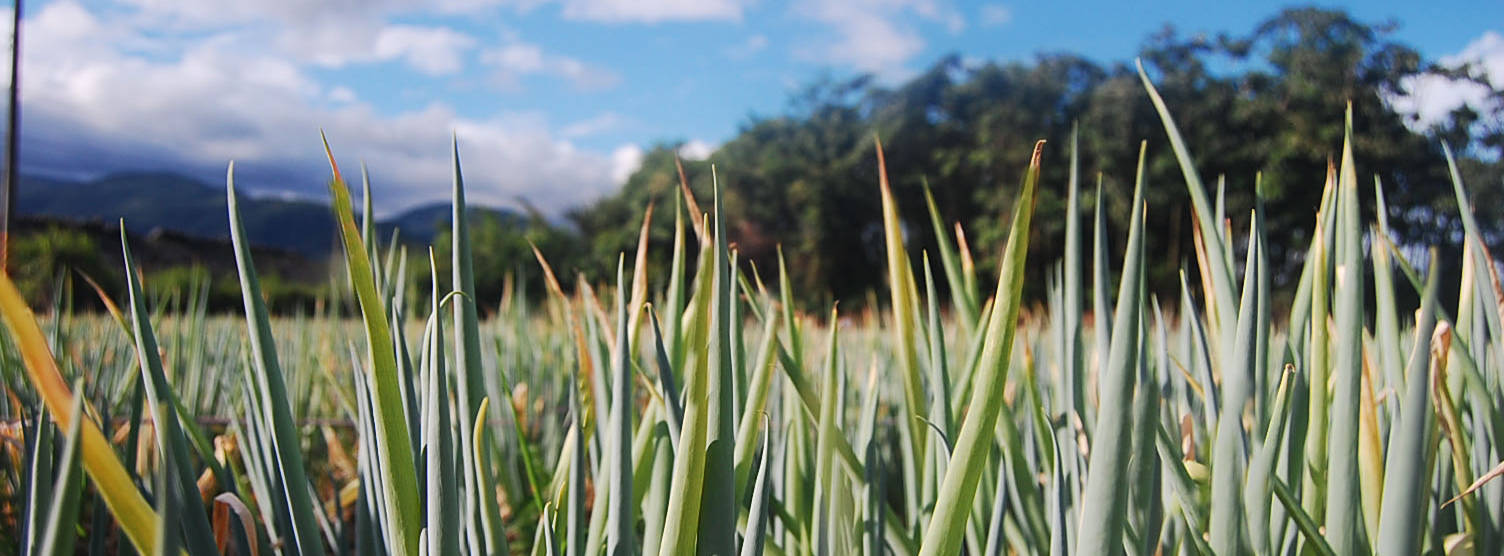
<point x="552" y="100"/>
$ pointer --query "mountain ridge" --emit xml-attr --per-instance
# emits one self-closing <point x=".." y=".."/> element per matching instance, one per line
<point x="164" y="200"/>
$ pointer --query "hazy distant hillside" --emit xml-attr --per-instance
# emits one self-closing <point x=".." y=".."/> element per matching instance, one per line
<point x="150" y="200"/>
<point x="424" y="223"/>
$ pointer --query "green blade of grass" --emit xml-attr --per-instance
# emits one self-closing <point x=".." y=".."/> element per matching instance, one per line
<point x="1318" y="404"/>
<point x="668" y="389"/>
<point x="1256" y="492"/>
<point x="826" y="430"/>
<point x="940" y="413"/>
<point x="273" y="397"/>
<point x="59" y="533"/>
<point x="753" y="536"/>
<point x="368" y="224"/>
<point x="1344" y="520"/>
<point x="574" y="543"/>
<point x="195" y="525"/>
<point x="996" y="538"/>
<point x="1146" y="509"/>
<point x="1406" y="473"/>
<point x="546" y="524"/>
<point x="791" y="324"/>
<point x="674" y="297"/>
<point x="717" y="530"/>
<point x="962" y="299"/>
<point x="1101" y="301"/>
<point x="1301" y="306"/>
<point x="1072" y="375"/>
<point x="40" y="469"/>
<point x="1107" y="481"/>
<point x="1229" y="528"/>
<point x="639" y="278"/>
<point x="873" y="478"/>
<point x="1263" y="389"/>
<point x="400" y="477"/>
<point x="756" y="402"/>
<point x="655" y="503"/>
<point x="621" y="527"/>
<point x="1386" y="320"/>
<point x="442" y="489"/>
<point x="947" y="526"/>
<point x="169" y="494"/>
<point x="1224" y="304"/>
<point x="679" y="529"/>
<point x="1308" y="528"/>
<point x="904" y="294"/>
<point x="1488" y="282"/>
<point x="481" y="518"/>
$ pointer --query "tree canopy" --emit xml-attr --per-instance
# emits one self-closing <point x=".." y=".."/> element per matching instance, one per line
<point x="1262" y="110"/>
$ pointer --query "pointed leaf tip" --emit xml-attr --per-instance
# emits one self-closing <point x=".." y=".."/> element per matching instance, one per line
<point x="333" y="166"/>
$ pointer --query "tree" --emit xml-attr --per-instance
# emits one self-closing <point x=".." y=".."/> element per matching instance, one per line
<point x="1266" y="107"/>
<point x="41" y="257"/>
<point x="502" y="254"/>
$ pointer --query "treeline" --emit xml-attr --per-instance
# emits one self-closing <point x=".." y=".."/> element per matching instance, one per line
<point x="53" y="260"/>
<point x="1261" y="111"/>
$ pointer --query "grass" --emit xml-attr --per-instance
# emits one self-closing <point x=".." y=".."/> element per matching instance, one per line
<point x="717" y="417"/>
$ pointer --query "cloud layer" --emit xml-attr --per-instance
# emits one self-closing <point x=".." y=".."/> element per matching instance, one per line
<point x="1431" y="99"/>
<point x="103" y="93"/>
<point x="878" y="36"/>
<point x="187" y="85"/>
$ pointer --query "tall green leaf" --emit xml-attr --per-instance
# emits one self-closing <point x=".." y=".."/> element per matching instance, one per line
<point x="1107" y="481"/>
<point x="717" y="532"/>
<point x="1344" y="518"/>
<point x="973" y="445"/>
<point x="273" y="395"/>
<point x="400" y="476"/>
<point x="1406" y="472"/>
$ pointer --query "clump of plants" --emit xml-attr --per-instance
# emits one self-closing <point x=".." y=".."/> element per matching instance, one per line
<point x="714" y="416"/>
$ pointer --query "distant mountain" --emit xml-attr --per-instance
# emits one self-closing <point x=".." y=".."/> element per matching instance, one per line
<point x="161" y="200"/>
<point x="423" y="224"/>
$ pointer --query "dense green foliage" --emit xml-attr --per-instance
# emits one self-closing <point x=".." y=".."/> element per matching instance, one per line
<point x="506" y="258"/>
<point x="37" y="260"/>
<point x="1255" y="106"/>
<point x="51" y="257"/>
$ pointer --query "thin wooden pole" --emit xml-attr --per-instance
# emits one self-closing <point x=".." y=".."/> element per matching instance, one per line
<point x="12" y="141"/>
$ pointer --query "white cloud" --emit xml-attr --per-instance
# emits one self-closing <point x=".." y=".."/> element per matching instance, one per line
<point x="295" y="12"/>
<point x="431" y="50"/>
<point x="625" y="160"/>
<point x="633" y="11"/>
<point x="93" y="107"/>
<point x="331" y="33"/>
<point x="606" y="121"/>
<point x="877" y="36"/>
<point x="696" y="149"/>
<point x="1432" y="98"/>
<point x="342" y="95"/>
<point x="995" y="15"/>
<point x="748" y="48"/>
<point x="653" y="11"/>
<point x="516" y="60"/>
